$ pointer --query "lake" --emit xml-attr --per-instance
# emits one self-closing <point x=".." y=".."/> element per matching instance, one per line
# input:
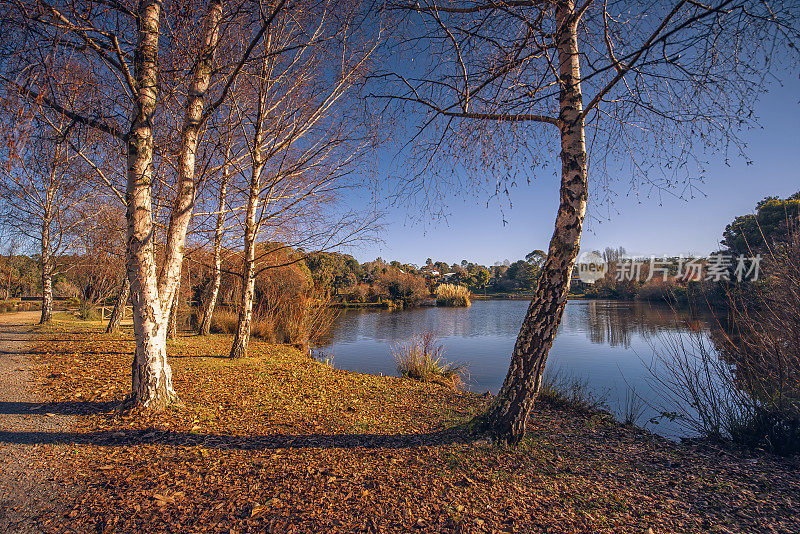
<point x="610" y="344"/>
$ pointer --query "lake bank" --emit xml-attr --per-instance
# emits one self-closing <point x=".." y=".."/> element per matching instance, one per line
<point x="278" y="441"/>
<point x="608" y="344"/>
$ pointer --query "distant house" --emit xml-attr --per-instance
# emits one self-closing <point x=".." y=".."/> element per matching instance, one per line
<point x="430" y="272"/>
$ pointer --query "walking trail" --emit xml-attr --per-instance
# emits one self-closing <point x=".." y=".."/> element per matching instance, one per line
<point x="29" y="482"/>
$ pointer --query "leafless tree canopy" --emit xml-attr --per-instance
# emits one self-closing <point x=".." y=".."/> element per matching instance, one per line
<point x="664" y="85"/>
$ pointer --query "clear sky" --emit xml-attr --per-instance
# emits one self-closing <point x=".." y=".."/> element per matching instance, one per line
<point x="643" y="225"/>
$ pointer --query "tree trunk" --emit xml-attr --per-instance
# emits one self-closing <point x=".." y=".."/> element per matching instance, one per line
<point x="190" y="135"/>
<point x="123" y="296"/>
<point x="208" y="312"/>
<point x="151" y="375"/>
<point x="240" y="342"/>
<point x="508" y="415"/>
<point x="47" y="274"/>
<point x="173" y="314"/>
<point x="151" y="383"/>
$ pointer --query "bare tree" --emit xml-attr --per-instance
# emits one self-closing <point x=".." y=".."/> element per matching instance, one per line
<point x="45" y="188"/>
<point x="100" y="257"/>
<point x="644" y="86"/>
<point x="298" y="149"/>
<point x="119" y="46"/>
<point x="210" y="302"/>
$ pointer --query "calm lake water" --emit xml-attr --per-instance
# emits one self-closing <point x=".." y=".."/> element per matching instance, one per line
<point x="611" y="344"/>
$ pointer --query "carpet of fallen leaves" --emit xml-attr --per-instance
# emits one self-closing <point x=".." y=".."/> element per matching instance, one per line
<point x="280" y="443"/>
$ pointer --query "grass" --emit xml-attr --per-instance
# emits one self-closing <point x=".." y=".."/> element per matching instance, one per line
<point x="422" y="358"/>
<point x="633" y="408"/>
<point x="452" y="295"/>
<point x="561" y="389"/>
<point x="224" y="322"/>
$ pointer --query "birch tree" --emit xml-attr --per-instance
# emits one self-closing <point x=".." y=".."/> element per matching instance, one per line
<point x="120" y="45"/>
<point x="645" y="89"/>
<point x="298" y="149"/>
<point x="210" y="303"/>
<point x="44" y="187"/>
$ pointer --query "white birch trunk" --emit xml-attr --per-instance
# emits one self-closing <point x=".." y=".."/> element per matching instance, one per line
<point x="151" y="381"/>
<point x="151" y="377"/>
<point x="216" y="282"/>
<point x="242" y="338"/>
<point x="509" y="414"/>
<point x="46" y="263"/>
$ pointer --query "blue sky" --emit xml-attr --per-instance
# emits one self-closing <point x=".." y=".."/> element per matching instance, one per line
<point x="643" y="225"/>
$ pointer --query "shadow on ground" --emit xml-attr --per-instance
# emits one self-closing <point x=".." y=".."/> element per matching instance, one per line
<point x="59" y="408"/>
<point x="257" y="442"/>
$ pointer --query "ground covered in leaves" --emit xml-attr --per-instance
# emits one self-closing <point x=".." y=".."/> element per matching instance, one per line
<point x="280" y="443"/>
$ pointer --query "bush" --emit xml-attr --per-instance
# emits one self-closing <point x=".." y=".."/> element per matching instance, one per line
<point x="611" y="288"/>
<point x="659" y="290"/>
<point x="359" y="293"/>
<point x="746" y="388"/>
<point x="569" y="391"/>
<point x="421" y="358"/>
<point x="402" y="287"/>
<point x="87" y="311"/>
<point x="303" y="321"/>
<point x="224" y="321"/>
<point x="452" y="295"/>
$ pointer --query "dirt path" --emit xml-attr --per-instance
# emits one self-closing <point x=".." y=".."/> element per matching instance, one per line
<point x="28" y="469"/>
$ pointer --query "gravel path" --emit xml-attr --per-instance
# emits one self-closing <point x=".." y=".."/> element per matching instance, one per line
<point x="28" y="469"/>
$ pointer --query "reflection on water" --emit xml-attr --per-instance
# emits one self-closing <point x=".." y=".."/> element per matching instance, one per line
<point x="610" y="343"/>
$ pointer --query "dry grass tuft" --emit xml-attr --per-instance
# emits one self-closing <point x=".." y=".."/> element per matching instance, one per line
<point x="422" y="358"/>
<point x="452" y="295"/>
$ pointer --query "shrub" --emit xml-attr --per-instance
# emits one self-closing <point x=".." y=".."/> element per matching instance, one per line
<point x="263" y="328"/>
<point x="404" y="287"/>
<point x="452" y="295"/>
<point x="746" y="388"/>
<point x="224" y="321"/>
<point x="421" y="358"/>
<point x="570" y="391"/>
<point x="87" y="311"/>
<point x="304" y="321"/>
<point x="301" y="320"/>
<point x="659" y="290"/>
<point x="359" y="293"/>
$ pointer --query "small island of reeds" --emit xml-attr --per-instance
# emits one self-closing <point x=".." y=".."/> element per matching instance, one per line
<point x="452" y="295"/>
